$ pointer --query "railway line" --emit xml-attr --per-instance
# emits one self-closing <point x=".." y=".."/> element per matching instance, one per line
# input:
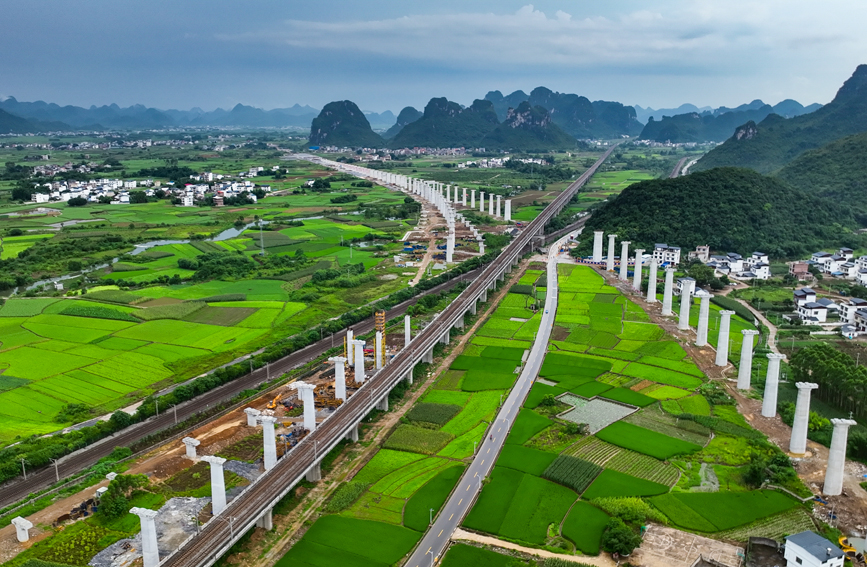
<point x="254" y="505"/>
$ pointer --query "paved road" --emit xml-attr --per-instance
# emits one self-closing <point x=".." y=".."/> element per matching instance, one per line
<point x="458" y="505"/>
<point x="678" y="168"/>
<point x="217" y="537"/>
<point x="16" y="490"/>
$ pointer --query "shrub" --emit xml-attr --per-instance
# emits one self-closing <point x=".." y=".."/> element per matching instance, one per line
<point x="98" y="312"/>
<point x="573" y="472"/>
<point x="631" y="509"/>
<point x="346" y="495"/>
<point x="619" y="538"/>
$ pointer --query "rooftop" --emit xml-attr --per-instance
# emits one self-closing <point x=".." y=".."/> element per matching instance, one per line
<point x="815" y="545"/>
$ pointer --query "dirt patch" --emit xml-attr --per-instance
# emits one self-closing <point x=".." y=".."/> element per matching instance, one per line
<point x="642" y="385"/>
<point x="559" y="333"/>
<point x="668" y="547"/>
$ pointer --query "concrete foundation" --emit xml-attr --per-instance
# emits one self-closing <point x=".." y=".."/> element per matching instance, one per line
<point x="269" y="441"/>
<point x="703" y="318"/>
<point x="609" y="261"/>
<point x="745" y="370"/>
<point x="668" y="292"/>
<point x="252" y="416"/>
<point x="772" y="384"/>
<point x="722" y="344"/>
<point x="149" y="550"/>
<point x="651" y="281"/>
<point x="218" y="484"/>
<point x="837" y="457"/>
<point x="798" y="441"/>
<point x="685" y="304"/>
<point x="624" y="259"/>
<point x="191" y="445"/>
<point x="339" y="377"/>
<point x="22" y="528"/>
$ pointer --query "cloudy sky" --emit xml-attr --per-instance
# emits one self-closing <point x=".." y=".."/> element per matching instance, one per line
<point x="391" y="53"/>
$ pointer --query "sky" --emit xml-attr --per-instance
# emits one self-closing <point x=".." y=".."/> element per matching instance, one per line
<point x="388" y="54"/>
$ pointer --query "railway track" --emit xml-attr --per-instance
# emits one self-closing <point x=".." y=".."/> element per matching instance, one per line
<point x="247" y="508"/>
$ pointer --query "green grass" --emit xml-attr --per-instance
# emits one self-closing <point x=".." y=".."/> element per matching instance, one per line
<point x="26" y="307"/>
<point x="383" y="463"/>
<point x="645" y="441"/>
<point x="350" y="542"/>
<point x="463" y="555"/>
<point x="527" y="424"/>
<point x="417" y="439"/>
<point x="661" y="375"/>
<point x="584" y="526"/>
<point x="696" y="405"/>
<point x="437" y="414"/>
<point x="573" y="472"/>
<point x="481" y="406"/>
<point x="403" y="482"/>
<point x="590" y="389"/>
<point x="717" y="511"/>
<point x="627" y="396"/>
<point x="432" y="495"/>
<point x="525" y="459"/>
<point x="664" y="392"/>
<point x="462" y="446"/>
<point x="613" y="483"/>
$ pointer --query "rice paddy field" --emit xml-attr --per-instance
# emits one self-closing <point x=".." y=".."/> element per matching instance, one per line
<point x="612" y="369"/>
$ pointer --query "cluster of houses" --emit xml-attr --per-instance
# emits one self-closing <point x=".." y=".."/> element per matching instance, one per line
<point x="118" y="190"/>
<point x="840" y="264"/>
<point x="849" y="314"/>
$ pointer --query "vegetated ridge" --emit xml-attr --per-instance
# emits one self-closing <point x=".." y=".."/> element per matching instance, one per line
<point x="528" y="128"/>
<point x="836" y="171"/>
<point x="341" y="123"/>
<point x="502" y="104"/>
<point x="729" y="209"/>
<point x="12" y="124"/>
<point x="407" y="115"/>
<point x="776" y="141"/>
<point x="446" y="124"/>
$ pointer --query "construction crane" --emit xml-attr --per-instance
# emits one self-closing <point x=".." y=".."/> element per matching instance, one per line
<point x="379" y="325"/>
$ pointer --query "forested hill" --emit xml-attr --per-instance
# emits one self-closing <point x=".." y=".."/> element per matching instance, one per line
<point x="341" y="123"/>
<point x="579" y="117"/>
<point x="729" y="209"/>
<point x="837" y="171"/>
<point x="528" y="128"/>
<point x="776" y="141"/>
<point x="446" y="124"/>
<point x="12" y="124"/>
<point x="696" y="127"/>
<point x="407" y="115"/>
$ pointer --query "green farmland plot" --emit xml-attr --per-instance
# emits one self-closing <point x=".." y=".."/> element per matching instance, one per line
<point x="645" y="441"/>
<point x="611" y="483"/>
<point x="584" y="526"/>
<point x="722" y="510"/>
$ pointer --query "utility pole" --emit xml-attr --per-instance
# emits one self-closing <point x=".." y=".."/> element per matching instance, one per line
<point x="56" y="471"/>
<point x="23" y="470"/>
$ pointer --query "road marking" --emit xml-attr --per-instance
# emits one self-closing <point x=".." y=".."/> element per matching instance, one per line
<point x="483" y="462"/>
<point x="489" y="449"/>
<point x="441" y="532"/>
<point x="468" y="487"/>
<point x="459" y="502"/>
<point x="428" y="550"/>
<point x="498" y="430"/>
<point x="452" y="516"/>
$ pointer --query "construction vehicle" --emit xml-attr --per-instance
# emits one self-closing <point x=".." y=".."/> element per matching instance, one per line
<point x="273" y="403"/>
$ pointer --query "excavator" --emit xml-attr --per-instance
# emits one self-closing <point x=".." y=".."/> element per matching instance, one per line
<point x="273" y="403"/>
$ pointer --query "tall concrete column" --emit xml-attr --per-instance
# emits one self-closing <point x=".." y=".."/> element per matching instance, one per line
<point x="722" y="343"/>
<point x="472" y="198"/>
<point x="508" y="217"/>
<point x="745" y="370"/>
<point x="636" y="277"/>
<point x="252" y="415"/>
<point x="314" y="473"/>
<point x="305" y="392"/>
<point x="448" y="193"/>
<point x="772" y="385"/>
<point x="798" y="441"/>
<point x="624" y="260"/>
<point x="22" y="528"/>
<point x="609" y="264"/>
<point x="668" y="292"/>
<point x="499" y="208"/>
<point x="703" y="317"/>
<point x="464" y="200"/>
<point x="457" y="197"/>
<point x="269" y="440"/>
<point x="377" y="351"/>
<point x="349" y="347"/>
<point x="491" y="205"/>
<point x="597" y="245"/>
<point x="651" y="281"/>
<point x="407" y="335"/>
<point x="149" y="550"/>
<point x="383" y="403"/>
<point x="218" y="483"/>
<point x="191" y="445"/>
<point x="352" y="434"/>
<point x="339" y="377"/>
<point x="481" y="201"/>
<point x="685" y="304"/>
<point x="358" y="349"/>
<point x="837" y="457"/>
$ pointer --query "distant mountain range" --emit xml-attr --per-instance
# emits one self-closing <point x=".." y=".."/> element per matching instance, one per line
<point x="775" y="141"/>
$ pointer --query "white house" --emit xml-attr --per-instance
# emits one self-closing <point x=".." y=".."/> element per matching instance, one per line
<point x="665" y="254"/>
<point x="849" y="331"/>
<point x="803" y="295"/>
<point x="187" y="201"/>
<point x="812" y="312"/>
<point x="849" y="307"/>
<point x="808" y="549"/>
<point x="701" y="253"/>
<point x="132" y="184"/>
<point x="680" y="281"/>
<point x="40" y="197"/>
<point x="758" y="264"/>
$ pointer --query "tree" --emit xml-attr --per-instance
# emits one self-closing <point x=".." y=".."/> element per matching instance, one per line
<point x="619" y="538"/>
<point x="77" y="202"/>
<point x="138" y="197"/>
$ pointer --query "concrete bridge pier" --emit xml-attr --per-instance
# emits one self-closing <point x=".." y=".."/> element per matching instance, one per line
<point x="474" y="308"/>
<point x="191" y="447"/>
<point x="149" y="550"/>
<point x="428" y="357"/>
<point x="409" y="375"/>
<point x="314" y="473"/>
<point x="352" y="434"/>
<point x="252" y="416"/>
<point x="484" y="295"/>
<point x="22" y="528"/>
<point x="446" y="337"/>
<point x="269" y="440"/>
<point x="266" y="522"/>
<point x="382" y="405"/>
<point x="218" y="484"/>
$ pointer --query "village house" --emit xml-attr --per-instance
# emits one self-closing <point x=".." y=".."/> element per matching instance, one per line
<point x="812" y="313"/>
<point x="666" y="255"/>
<point x="808" y="549"/>
<point x="800" y="270"/>
<point x="701" y="253"/>
<point x="803" y="295"/>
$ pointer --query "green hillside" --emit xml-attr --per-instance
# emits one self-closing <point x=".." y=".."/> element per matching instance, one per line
<point x="11" y="124"/>
<point x="581" y="118"/>
<point x="407" y="115"/>
<point x="341" y="123"/>
<point x="528" y="128"/>
<point x="836" y="171"/>
<point x="730" y="209"/>
<point x="776" y="141"/>
<point x="446" y="124"/>
<point x="695" y="127"/>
